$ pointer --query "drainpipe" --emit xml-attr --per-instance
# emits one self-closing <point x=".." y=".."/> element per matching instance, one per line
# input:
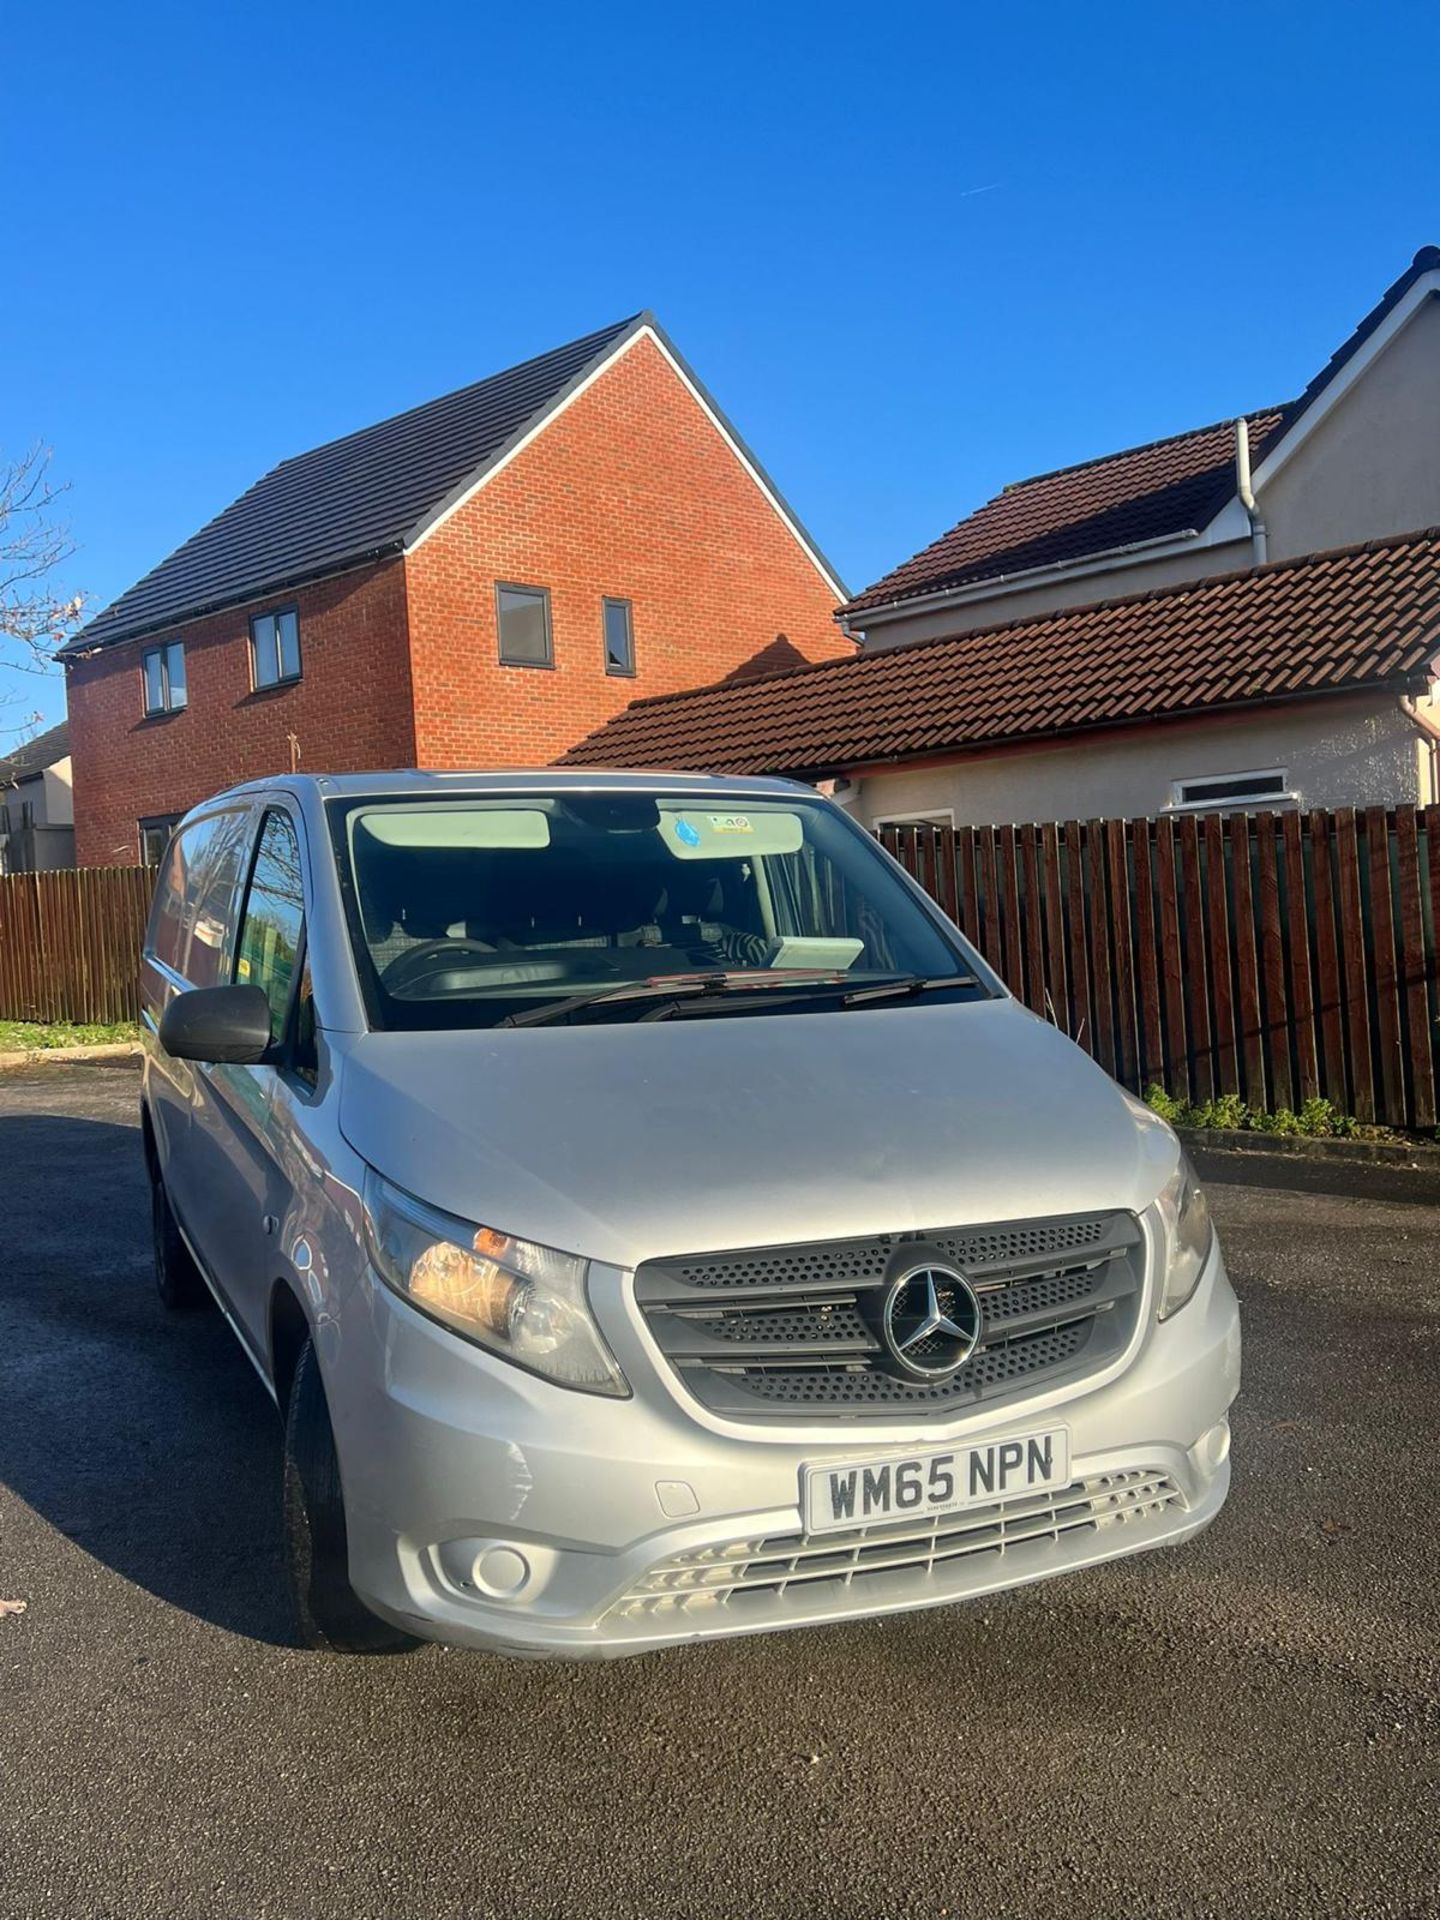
<point x="1427" y="725"/>
<point x="1246" y="490"/>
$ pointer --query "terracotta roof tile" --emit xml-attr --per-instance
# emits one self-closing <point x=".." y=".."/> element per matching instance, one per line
<point x="1333" y="622"/>
<point x="1141" y="494"/>
<point x="1144" y="493"/>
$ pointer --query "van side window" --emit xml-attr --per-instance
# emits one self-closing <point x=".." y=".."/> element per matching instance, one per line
<point x="195" y="895"/>
<point x="274" y="916"/>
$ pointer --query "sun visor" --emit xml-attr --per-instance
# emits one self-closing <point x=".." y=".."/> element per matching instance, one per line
<point x="455" y="827"/>
<point x="695" y="833"/>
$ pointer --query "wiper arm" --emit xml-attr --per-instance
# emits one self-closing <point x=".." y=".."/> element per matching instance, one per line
<point x="675" y="986"/>
<point x="911" y="984"/>
<point x="837" y="989"/>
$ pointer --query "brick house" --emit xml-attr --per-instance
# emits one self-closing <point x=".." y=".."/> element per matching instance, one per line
<point x="479" y="582"/>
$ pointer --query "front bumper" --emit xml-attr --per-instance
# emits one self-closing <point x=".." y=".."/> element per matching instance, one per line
<point x="490" y="1509"/>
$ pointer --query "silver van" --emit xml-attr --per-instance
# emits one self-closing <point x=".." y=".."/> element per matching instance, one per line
<point x="653" y="1220"/>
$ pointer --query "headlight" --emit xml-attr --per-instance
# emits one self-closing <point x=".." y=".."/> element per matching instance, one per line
<point x="526" y="1303"/>
<point x="1189" y="1236"/>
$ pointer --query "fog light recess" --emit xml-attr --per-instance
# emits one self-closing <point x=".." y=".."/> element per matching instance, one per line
<point x="501" y="1573"/>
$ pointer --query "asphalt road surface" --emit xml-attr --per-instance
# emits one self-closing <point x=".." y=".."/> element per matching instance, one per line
<point x="1246" y="1726"/>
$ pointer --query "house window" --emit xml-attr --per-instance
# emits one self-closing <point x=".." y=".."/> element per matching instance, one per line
<point x="523" y="617"/>
<point x="275" y="648"/>
<point x="164" y="670"/>
<point x="619" y="637"/>
<point x="1231" y="790"/>
<point x="937" y="817"/>
<point x="155" y="837"/>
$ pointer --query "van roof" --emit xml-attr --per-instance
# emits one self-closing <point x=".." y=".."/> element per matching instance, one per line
<point x="410" y="781"/>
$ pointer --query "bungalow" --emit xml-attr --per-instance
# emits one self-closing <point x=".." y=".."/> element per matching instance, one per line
<point x="1303" y="682"/>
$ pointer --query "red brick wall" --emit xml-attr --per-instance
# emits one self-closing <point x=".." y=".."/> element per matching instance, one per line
<point x="350" y="710"/>
<point x="631" y="492"/>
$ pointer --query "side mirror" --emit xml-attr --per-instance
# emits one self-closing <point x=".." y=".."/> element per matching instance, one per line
<point x="220" y="1026"/>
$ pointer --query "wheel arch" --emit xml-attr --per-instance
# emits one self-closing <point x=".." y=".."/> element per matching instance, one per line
<point x="289" y="1330"/>
<point x="148" y="1141"/>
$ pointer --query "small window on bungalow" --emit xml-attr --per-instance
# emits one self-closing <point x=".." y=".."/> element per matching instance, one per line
<point x="523" y="617"/>
<point x="164" y="674"/>
<point x="619" y="637"/>
<point x="1232" y="790"/>
<point x="275" y="647"/>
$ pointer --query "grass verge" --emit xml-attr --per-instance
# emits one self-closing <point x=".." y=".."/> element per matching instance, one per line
<point x="40" y="1036"/>
<point x="1316" y="1120"/>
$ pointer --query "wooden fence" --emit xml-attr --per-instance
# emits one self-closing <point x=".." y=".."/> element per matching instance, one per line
<point x="70" y="943"/>
<point x="1274" y="956"/>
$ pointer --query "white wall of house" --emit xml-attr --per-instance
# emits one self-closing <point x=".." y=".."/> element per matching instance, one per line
<point x="52" y="795"/>
<point x="1340" y="752"/>
<point x="1371" y="466"/>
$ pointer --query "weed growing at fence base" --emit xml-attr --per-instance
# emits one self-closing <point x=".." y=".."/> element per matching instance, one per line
<point x="1317" y="1119"/>
<point x="31" y="1036"/>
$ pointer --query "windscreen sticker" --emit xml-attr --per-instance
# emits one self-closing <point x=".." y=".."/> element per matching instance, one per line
<point x="684" y="831"/>
<point x="730" y="823"/>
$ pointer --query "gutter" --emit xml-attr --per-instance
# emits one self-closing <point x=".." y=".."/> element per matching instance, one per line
<point x="73" y="650"/>
<point x="996" y="583"/>
<point x="1039" y="742"/>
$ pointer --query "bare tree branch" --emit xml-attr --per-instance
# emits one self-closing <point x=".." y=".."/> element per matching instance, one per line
<point x="35" y="618"/>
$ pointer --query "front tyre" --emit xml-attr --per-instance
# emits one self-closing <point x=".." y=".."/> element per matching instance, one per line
<point x="327" y="1611"/>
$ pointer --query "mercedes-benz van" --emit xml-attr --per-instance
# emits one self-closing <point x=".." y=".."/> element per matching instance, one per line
<point x="654" y="1220"/>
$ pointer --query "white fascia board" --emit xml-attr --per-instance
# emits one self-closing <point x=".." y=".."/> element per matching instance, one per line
<point x="1354" y="369"/>
<point x="1000" y="586"/>
<point x="468" y="489"/>
<point x="646" y="332"/>
<point x="727" y="434"/>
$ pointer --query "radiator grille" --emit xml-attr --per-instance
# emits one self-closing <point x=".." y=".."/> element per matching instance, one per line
<point x="798" y="1331"/>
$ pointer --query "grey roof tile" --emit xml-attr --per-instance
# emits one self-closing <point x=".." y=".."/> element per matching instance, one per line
<point x="352" y="498"/>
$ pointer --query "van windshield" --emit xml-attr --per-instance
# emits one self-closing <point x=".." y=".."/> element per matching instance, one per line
<point x="479" y="911"/>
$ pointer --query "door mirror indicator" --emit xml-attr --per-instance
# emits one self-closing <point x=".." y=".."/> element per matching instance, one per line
<point x="218" y="1026"/>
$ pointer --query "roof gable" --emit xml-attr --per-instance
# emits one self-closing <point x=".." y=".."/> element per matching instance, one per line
<point x="1331" y="623"/>
<point x="1131" y="499"/>
<point x="386" y="488"/>
<point x="353" y="498"/>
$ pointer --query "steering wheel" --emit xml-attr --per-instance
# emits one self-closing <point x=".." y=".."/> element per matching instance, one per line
<point x="407" y="969"/>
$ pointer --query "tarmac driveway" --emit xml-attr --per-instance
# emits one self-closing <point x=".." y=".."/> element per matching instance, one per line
<point x="1248" y="1726"/>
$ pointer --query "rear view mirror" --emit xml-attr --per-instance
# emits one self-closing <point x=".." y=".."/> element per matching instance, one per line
<point x="218" y="1026"/>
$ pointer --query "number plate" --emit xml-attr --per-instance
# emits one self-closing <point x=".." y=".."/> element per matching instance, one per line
<point x="860" y="1493"/>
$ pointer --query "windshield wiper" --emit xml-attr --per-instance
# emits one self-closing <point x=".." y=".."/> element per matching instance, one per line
<point x="911" y="983"/>
<point x="837" y="987"/>
<point x="675" y="986"/>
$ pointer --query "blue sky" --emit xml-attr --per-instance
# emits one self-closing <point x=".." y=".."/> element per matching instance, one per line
<point x="916" y="251"/>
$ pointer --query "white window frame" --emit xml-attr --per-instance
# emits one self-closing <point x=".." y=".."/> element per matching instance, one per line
<point x="921" y="817"/>
<point x="1283" y="796"/>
